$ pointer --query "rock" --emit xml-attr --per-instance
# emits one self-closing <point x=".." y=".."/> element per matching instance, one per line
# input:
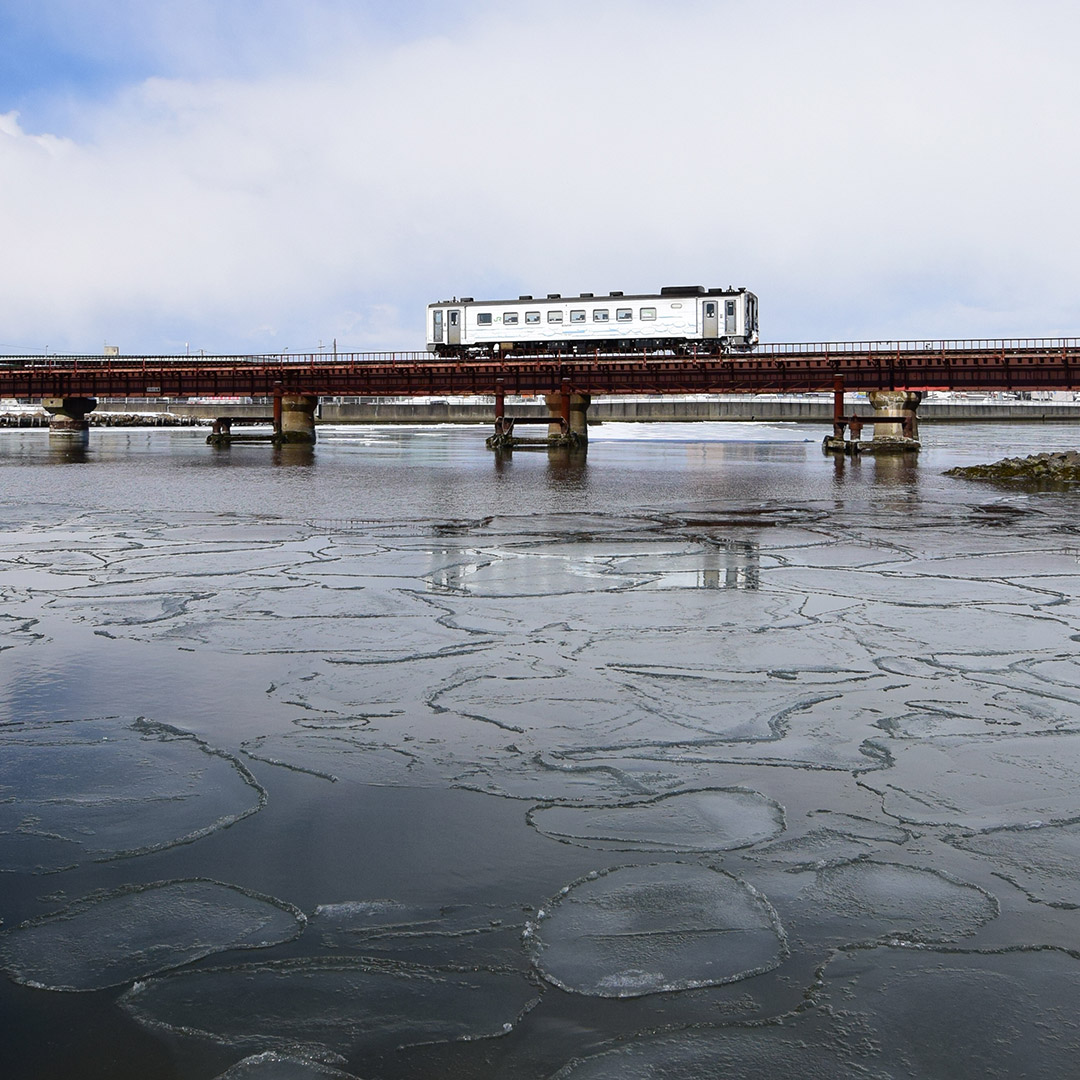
<point x="1060" y="467"/>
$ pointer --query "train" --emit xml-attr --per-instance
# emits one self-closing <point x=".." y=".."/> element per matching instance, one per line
<point x="682" y="319"/>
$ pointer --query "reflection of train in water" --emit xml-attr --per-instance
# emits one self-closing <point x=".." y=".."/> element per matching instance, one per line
<point x="681" y="319"/>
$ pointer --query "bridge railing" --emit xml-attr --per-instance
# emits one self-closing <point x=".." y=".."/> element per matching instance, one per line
<point x="259" y="360"/>
<point x="294" y="361"/>
<point x="845" y="348"/>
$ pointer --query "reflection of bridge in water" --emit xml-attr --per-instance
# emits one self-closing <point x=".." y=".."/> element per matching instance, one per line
<point x="737" y="566"/>
<point x="724" y="564"/>
<point x="893" y="374"/>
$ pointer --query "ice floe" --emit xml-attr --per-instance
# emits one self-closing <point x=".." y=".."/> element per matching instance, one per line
<point x="332" y="1005"/>
<point x="980" y="784"/>
<point x="112" y="787"/>
<point x="864" y="900"/>
<point x="647" y="929"/>
<point x="116" y="938"/>
<point x="715" y="820"/>
<point x="271" y="1065"/>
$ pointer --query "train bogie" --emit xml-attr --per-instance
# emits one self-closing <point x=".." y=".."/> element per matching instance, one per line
<point x="678" y="318"/>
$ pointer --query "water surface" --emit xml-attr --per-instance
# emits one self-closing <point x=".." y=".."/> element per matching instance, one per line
<point x="394" y="759"/>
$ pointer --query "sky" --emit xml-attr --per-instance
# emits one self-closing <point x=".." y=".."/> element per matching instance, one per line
<point x="271" y="175"/>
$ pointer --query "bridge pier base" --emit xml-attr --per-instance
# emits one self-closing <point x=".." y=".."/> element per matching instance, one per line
<point x="896" y="428"/>
<point x="566" y="422"/>
<point x="296" y="421"/>
<point x="571" y="410"/>
<point x="67" y="416"/>
<point x="895" y="422"/>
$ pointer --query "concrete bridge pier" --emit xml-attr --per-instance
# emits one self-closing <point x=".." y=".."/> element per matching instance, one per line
<point x="294" y="418"/>
<point x="895" y="420"/>
<point x="68" y="415"/>
<point x="569" y="409"/>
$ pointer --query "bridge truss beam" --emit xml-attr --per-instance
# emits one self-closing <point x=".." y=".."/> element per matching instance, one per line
<point x="1025" y="367"/>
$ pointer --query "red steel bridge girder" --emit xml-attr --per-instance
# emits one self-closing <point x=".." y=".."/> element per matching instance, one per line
<point x="1026" y="367"/>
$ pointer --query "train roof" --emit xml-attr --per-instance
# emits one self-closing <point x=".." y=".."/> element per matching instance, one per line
<point x="666" y="291"/>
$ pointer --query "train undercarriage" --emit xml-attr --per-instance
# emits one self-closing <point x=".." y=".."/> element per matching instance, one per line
<point x="705" y="348"/>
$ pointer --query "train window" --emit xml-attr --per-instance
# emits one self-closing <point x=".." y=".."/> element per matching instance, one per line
<point x="624" y="314"/>
<point x="484" y="318"/>
<point x="600" y="314"/>
<point x="648" y="313"/>
<point x="730" y="308"/>
<point x="510" y="317"/>
<point x="532" y="316"/>
<point x="577" y="316"/>
<point x="554" y="316"/>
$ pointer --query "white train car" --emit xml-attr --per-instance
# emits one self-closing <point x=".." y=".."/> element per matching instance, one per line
<point x="680" y="319"/>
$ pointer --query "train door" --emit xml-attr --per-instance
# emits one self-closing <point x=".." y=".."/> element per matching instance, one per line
<point x="453" y="327"/>
<point x="710" y="320"/>
<point x="729" y="317"/>
<point x="437" y="327"/>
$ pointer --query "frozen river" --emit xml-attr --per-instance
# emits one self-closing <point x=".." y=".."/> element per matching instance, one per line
<point x="705" y="756"/>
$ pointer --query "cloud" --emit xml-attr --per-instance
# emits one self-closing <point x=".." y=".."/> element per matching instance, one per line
<point x="869" y="172"/>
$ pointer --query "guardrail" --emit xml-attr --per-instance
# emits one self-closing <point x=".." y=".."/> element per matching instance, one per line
<point x="948" y="345"/>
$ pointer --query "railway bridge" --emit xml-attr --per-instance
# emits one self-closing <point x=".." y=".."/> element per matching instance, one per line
<point x="895" y="375"/>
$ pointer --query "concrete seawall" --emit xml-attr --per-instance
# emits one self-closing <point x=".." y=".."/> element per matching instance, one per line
<point x="771" y="408"/>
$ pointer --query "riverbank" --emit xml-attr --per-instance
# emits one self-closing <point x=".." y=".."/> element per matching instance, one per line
<point x="33" y="417"/>
<point x="806" y="408"/>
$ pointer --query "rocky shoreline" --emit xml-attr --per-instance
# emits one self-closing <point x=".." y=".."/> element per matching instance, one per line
<point x="1062" y="467"/>
<point x="36" y="418"/>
